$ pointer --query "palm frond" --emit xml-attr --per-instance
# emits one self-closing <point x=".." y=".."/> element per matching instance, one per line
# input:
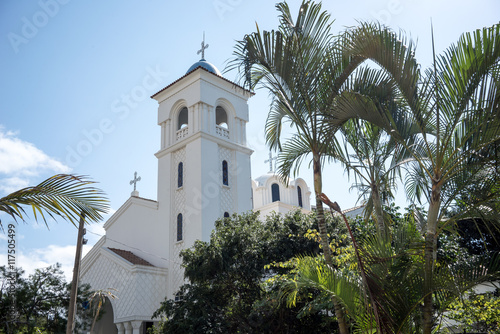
<point x="62" y="195"/>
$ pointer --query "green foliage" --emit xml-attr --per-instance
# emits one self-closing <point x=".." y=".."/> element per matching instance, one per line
<point x="393" y="267"/>
<point x="227" y="292"/>
<point x="394" y="274"/>
<point x="62" y="195"/>
<point x="477" y="312"/>
<point x="367" y="152"/>
<point x="38" y="303"/>
<point x="478" y="235"/>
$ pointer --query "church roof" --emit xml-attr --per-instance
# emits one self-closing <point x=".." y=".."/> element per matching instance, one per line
<point x="131" y="257"/>
<point x="191" y="69"/>
<point x="261" y="180"/>
<point x="206" y="65"/>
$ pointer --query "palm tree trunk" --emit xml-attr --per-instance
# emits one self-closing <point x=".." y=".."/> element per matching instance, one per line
<point x="340" y="314"/>
<point x="379" y="213"/>
<point x="430" y="256"/>
<point x="325" y="244"/>
<point x="318" y="182"/>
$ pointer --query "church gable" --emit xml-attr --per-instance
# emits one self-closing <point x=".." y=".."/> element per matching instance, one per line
<point x="131" y="225"/>
<point x="139" y="288"/>
<point x="134" y="203"/>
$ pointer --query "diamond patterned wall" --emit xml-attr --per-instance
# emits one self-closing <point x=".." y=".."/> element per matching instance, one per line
<point x="177" y="273"/>
<point x="226" y="197"/>
<point x="138" y="293"/>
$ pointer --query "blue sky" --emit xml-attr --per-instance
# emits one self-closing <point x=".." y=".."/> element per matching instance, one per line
<point x="77" y="76"/>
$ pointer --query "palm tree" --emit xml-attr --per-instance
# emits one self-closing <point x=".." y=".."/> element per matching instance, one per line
<point x="63" y="195"/>
<point x="449" y="123"/>
<point x="290" y="64"/>
<point x="391" y="282"/>
<point x="307" y="74"/>
<point x="367" y="153"/>
<point x="99" y="297"/>
<point x="380" y="298"/>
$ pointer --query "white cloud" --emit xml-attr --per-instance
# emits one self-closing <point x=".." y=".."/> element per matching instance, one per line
<point x="22" y="161"/>
<point x="44" y="257"/>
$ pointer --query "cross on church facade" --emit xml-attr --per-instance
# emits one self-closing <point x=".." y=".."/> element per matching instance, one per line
<point x="203" y="47"/>
<point x="270" y="160"/>
<point x="135" y="180"/>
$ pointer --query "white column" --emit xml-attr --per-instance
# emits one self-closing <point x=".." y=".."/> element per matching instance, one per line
<point x="168" y="133"/>
<point x="120" y="327"/>
<point x="163" y="135"/>
<point x="211" y="120"/>
<point x="203" y="117"/>
<point x="191" y="120"/>
<point x="128" y="327"/>
<point x="136" y="325"/>
<point x="243" y="132"/>
<point x="196" y="121"/>
<point x="233" y="127"/>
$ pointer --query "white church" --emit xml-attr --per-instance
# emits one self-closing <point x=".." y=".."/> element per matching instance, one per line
<point x="203" y="175"/>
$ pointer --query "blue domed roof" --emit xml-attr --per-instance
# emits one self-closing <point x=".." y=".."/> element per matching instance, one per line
<point x="206" y="65"/>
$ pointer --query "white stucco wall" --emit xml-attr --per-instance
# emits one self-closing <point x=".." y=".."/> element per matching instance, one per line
<point x="262" y="195"/>
<point x="139" y="289"/>
<point x="137" y="227"/>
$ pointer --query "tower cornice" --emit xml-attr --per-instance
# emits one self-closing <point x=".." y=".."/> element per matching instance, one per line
<point x="203" y="135"/>
<point x="196" y="74"/>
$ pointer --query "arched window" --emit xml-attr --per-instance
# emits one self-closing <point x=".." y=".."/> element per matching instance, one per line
<point x="180" y="174"/>
<point x="225" y="176"/>
<point x="182" y="119"/>
<point x="226" y="214"/>
<point x="179" y="227"/>
<point x="275" y="191"/>
<point x="299" y="194"/>
<point x="221" y="117"/>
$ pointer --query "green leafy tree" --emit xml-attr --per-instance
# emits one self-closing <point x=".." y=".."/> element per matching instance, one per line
<point x="392" y="276"/>
<point x="477" y="312"/>
<point x="225" y="293"/>
<point x="37" y="303"/>
<point x="478" y="235"/>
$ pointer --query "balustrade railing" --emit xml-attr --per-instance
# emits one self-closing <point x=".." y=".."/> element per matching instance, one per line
<point x="223" y="132"/>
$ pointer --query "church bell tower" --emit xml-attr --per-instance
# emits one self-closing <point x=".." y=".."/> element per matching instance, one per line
<point x="203" y="162"/>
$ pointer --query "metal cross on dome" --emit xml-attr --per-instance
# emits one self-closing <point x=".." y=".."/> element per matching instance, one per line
<point x="135" y="180"/>
<point x="270" y="160"/>
<point x="203" y="47"/>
